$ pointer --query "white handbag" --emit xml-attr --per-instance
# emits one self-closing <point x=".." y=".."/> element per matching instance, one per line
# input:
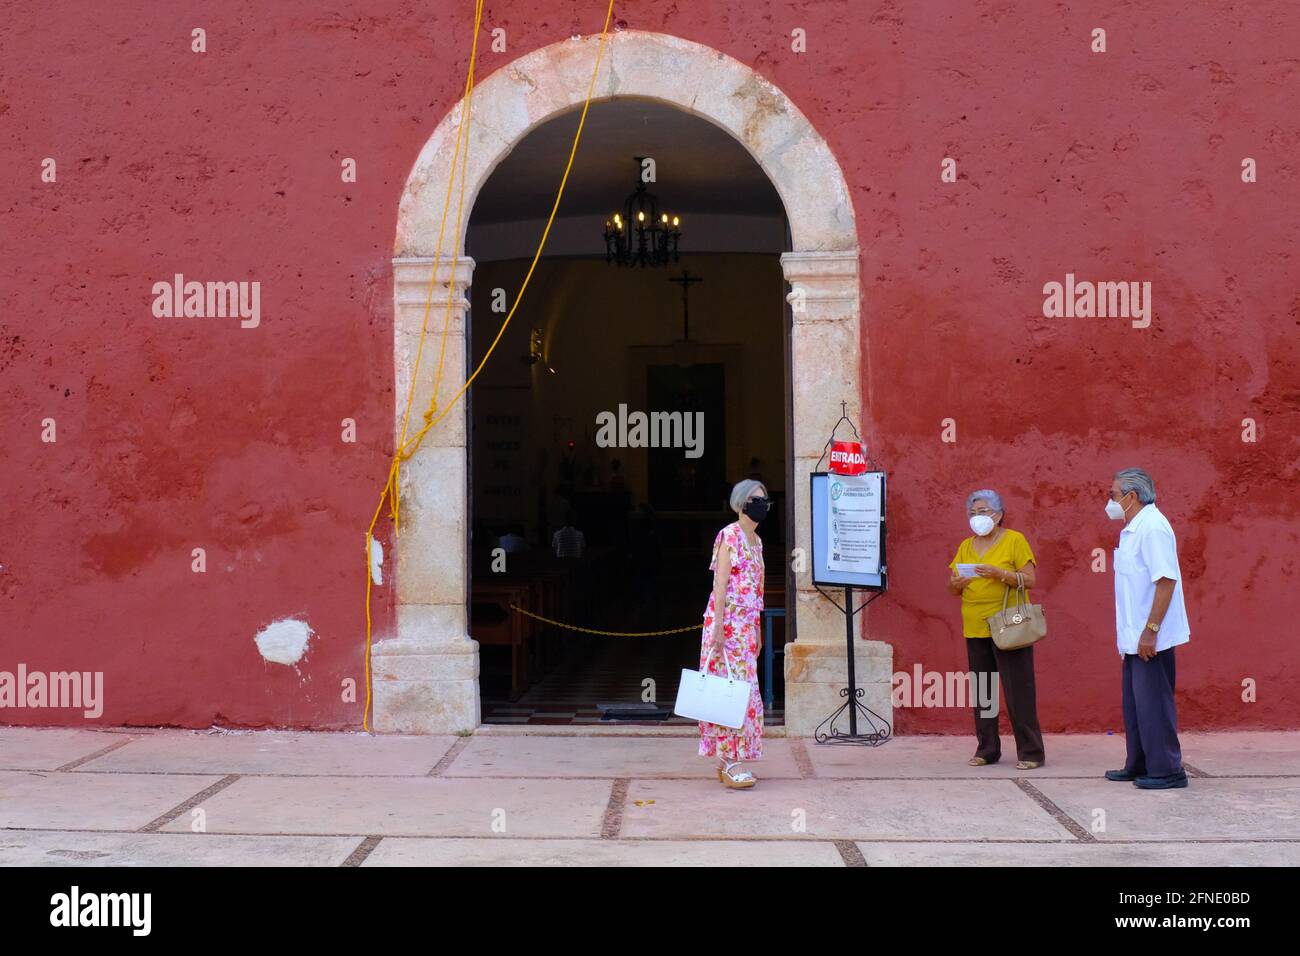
<point x="713" y="698"/>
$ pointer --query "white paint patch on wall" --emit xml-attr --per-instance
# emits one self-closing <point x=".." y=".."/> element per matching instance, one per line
<point x="284" y="642"/>
<point x="376" y="560"/>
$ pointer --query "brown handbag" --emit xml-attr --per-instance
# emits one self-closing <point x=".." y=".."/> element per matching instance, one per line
<point x="1020" y="625"/>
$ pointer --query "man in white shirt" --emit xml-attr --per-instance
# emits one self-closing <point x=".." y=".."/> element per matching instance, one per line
<point x="1150" y="621"/>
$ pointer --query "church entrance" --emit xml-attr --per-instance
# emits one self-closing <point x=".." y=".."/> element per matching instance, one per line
<point x="625" y="343"/>
<point x="619" y="408"/>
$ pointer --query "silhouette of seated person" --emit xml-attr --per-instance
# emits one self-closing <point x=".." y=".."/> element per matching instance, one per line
<point x="513" y="542"/>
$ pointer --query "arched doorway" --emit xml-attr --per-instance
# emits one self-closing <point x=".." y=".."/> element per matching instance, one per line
<point x="426" y="675"/>
<point x="608" y="527"/>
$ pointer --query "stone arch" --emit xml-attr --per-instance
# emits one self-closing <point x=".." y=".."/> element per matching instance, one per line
<point x="426" y="676"/>
<point x="553" y="80"/>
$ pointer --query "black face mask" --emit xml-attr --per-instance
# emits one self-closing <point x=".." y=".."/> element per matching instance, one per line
<point x="757" y="508"/>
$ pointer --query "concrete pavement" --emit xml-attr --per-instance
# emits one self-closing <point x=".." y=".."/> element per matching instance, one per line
<point x="624" y="796"/>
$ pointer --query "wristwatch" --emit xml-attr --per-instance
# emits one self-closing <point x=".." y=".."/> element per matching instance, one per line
<point x="1153" y="628"/>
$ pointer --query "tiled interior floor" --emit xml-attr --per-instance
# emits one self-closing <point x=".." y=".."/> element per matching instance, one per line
<point x="586" y="674"/>
<point x="597" y="673"/>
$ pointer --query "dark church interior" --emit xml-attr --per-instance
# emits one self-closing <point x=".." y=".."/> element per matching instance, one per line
<point x="577" y="543"/>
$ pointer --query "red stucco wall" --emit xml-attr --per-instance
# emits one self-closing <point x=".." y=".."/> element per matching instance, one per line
<point x="183" y="433"/>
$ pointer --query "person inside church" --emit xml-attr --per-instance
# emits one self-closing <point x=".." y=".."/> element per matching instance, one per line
<point x="733" y="636"/>
<point x="646" y="560"/>
<point x="617" y="482"/>
<point x="512" y="541"/>
<point x="569" y="542"/>
<point x="984" y="568"/>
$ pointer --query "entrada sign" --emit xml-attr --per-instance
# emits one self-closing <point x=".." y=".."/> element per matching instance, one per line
<point x="848" y="458"/>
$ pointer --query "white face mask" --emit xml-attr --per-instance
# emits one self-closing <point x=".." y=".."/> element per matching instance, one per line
<point x="981" y="524"/>
<point x="1114" y="510"/>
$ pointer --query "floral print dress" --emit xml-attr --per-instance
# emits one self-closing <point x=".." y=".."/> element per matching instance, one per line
<point x="741" y="621"/>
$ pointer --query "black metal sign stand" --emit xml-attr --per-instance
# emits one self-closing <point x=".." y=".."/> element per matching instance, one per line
<point x="828" y="731"/>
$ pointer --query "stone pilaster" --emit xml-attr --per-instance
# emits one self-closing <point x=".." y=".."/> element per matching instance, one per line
<point x="825" y="360"/>
<point x="425" y="678"/>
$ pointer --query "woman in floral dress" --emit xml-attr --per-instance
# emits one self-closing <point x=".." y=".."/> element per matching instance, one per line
<point x="738" y="589"/>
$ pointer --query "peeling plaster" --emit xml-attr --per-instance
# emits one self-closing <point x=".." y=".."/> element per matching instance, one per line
<point x="376" y="561"/>
<point x="284" y="642"/>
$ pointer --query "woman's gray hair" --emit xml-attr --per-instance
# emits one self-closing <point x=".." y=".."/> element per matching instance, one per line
<point x="1135" y="479"/>
<point x="740" y="494"/>
<point x="988" y="494"/>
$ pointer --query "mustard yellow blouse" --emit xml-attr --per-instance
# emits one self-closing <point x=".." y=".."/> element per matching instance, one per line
<point x="982" y="598"/>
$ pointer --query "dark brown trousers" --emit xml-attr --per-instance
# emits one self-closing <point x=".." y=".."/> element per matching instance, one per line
<point x="1016" y="695"/>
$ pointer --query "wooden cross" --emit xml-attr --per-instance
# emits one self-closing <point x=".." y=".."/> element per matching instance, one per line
<point x="686" y="280"/>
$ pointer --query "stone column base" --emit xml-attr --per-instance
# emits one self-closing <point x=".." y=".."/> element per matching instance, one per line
<point x="816" y="673"/>
<point x="425" y="685"/>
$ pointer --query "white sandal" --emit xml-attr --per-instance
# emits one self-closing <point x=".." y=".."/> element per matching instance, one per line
<point x="736" y="779"/>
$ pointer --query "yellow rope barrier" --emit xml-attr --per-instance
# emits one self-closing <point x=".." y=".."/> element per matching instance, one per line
<point x="592" y="630"/>
<point x="406" y="448"/>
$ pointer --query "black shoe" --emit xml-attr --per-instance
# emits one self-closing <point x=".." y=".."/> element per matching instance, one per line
<point x="1121" y="775"/>
<point x="1174" y="781"/>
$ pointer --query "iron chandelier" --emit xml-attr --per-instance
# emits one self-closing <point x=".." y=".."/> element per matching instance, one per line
<point x="641" y="235"/>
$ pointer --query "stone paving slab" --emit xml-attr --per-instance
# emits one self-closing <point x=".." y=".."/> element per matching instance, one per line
<point x="63" y="848"/>
<point x="310" y="799"/>
<point x="48" y="748"/>
<point x="929" y="809"/>
<point x="1263" y="753"/>
<point x="1068" y="755"/>
<point x="603" y="757"/>
<point x="1210" y="808"/>
<point x="275" y="752"/>
<point x="411" y="806"/>
<point x="71" y="801"/>
<point x="504" y="852"/>
<point x="1081" y="854"/>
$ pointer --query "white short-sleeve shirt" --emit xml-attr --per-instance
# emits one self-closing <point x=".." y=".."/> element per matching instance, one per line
<point x="1147" y="552"/>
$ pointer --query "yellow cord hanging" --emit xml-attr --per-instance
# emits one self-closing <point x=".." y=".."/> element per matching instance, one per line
<point x="407" y="447"/>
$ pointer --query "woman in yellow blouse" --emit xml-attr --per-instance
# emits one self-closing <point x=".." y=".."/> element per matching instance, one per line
<point x="990" y="560"/>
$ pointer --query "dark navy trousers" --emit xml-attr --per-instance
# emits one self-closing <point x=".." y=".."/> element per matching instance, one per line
<point x="1150" y="721"/>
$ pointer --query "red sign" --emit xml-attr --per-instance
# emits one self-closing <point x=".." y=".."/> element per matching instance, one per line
<point x="848" y="458"/>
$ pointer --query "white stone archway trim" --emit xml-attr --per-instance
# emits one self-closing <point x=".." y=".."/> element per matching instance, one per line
<point x="426" y="676"/>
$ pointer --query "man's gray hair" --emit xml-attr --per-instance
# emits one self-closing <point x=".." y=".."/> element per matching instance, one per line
<point x="988" y="494"/>
<point x="1135" y="479"/>
<point x="740" y="494"/>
